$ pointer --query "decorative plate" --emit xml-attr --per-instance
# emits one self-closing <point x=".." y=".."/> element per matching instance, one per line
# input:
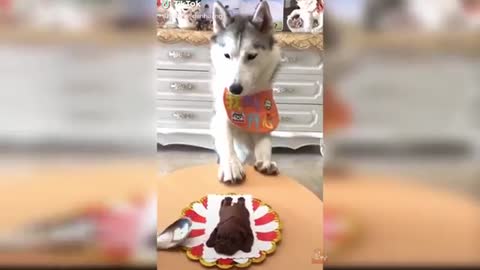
<point x="267" y="229"/>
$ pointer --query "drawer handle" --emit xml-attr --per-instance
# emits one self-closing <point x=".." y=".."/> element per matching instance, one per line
<point x="286" y="59"/>
<point x="322" y="149"/>
<point x="182" y="115"/>
<point x="178" y="86"/>
<point x="179" y="55"/>
<point x="282" y="90"/>
<point x="285" y="118"/>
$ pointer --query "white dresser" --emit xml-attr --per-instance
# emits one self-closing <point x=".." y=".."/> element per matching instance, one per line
<point x="185" y="103"/>
<point x="415" y="97"/>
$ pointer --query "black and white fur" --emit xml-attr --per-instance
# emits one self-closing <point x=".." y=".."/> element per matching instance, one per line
<point x="245" y="58"/>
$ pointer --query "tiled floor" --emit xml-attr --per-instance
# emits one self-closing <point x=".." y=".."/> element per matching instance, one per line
<point x="304" y="165"/>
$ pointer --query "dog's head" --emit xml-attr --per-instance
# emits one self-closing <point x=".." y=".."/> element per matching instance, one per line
<point x="244" y="54"/>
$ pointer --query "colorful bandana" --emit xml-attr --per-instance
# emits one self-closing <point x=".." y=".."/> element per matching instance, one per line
<point x="256" y="113"/>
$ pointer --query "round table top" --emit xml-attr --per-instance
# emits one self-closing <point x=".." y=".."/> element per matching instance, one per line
<point x="44" y="191"/>
<point x="402" y="222"/>
<point x="300" y="211"/>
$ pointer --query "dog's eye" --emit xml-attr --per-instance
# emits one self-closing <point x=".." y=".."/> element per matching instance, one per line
<point x="251" y="56"/>
<point x="227" y="56"/>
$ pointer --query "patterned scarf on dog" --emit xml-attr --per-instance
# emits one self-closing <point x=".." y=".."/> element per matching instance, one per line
<point x="255" y="113"/>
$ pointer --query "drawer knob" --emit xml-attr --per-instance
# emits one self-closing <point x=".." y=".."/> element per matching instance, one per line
<point x="282" y="90"/>
<point x="285" y="118"/>
<point x="179" y="55"/>
<point x="182" y="115"/>
<point x="178" y="86"/>
<point x="286" y="59"/>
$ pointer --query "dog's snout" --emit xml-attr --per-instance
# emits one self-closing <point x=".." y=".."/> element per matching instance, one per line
<point x="236" y="89"/>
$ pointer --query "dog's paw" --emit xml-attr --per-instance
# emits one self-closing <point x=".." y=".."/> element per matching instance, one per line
<point x="266" y="167"/>
<point x="231" y="172"/>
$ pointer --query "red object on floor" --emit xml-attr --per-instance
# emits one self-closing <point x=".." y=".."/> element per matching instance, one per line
<point x="117" y="230"/>
<point x="471" y="7"/>
<point x="5" y="5"/>
<point x="337" y="115"/>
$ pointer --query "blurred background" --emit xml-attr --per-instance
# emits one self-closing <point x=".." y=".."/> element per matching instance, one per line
<point x="77" y="136"/>
<point x="402" y="128"/>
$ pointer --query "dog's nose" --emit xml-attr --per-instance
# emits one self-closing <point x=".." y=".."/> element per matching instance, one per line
<point x="236" y="89"/>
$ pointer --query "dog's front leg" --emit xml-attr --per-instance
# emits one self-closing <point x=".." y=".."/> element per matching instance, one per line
<point x="231" y="169"/>
<point x="263" y="155"/>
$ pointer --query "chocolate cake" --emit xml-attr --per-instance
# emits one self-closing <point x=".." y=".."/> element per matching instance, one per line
<point x="233" y="231"/>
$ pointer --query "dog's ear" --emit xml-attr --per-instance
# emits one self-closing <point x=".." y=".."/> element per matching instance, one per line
<point x="262" y="18"/>
<point x="212" y="239"/>
<point x="221" y="17"/>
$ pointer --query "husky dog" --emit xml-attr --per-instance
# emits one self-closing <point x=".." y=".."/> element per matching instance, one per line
<point x="245" y="58"/>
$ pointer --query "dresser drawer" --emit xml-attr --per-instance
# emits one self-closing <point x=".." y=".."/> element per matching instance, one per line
<point x="300" y="117"/>
<point x="195" y="85"/>
<point x="301" y="61"/>
<point x="184" y="114"/>
<point x="183" y="57"/>
<point x="187" y="57"/>
<point x="185" y="85"/>
<point x="298" y="89"/>
<point x="197" y="115"/>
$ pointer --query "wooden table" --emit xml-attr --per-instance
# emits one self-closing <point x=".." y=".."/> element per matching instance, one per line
<point x="41" y="191"/>
<point x="401" y="222"/>
<point x="299" y="209"/>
